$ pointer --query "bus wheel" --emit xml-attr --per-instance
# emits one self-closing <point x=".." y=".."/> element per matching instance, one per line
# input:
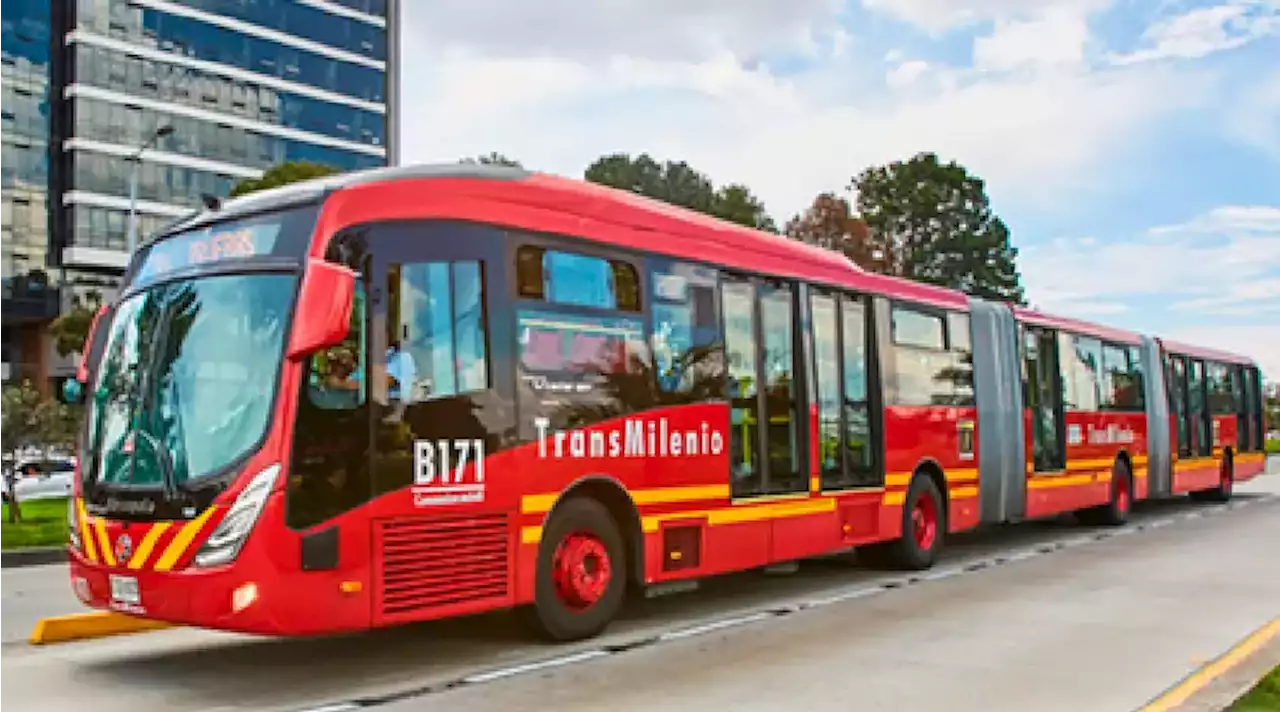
<point x="1115" y="512"/>
<point x="924" y="525"/>
<point x="1226" y="482"/>
<point x="582" y="572"/>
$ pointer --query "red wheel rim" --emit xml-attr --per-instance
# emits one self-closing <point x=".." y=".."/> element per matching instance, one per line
<point x="924" y="522"/>
<point x="1225" y="478"/>
<point x="1122" y="492"/>
<point x="581" y="570"/>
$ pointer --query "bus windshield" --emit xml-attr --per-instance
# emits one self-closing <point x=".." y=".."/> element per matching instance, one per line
<point x="187" y="379"/>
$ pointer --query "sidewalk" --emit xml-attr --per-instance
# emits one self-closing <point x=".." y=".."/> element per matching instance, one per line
<point x="1223" y="692"/>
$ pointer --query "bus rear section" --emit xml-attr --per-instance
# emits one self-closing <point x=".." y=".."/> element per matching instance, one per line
<point x="1215" y="420"/>
<point x="1062" y="417"/>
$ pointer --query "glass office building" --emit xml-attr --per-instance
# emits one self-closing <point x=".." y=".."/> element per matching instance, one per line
<point x="205" y="92"/>
<point x="30" y="288"/>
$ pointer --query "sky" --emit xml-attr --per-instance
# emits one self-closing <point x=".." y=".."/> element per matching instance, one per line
<point x="1133" y="147"/>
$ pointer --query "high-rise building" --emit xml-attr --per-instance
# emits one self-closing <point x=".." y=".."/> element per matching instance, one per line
<point x="192" y="95"/>
<point x="30" y="292"/>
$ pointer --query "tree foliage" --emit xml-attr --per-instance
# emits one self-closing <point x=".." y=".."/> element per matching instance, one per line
<point x="493" y="158"/>
<point x="680" y="184"/>
<point x="932" y="222"/>
<point x="71" y="328"/>
<point x="283" y="174"/>
<point x="830" y="223"/>
<point x="32" y="420"/>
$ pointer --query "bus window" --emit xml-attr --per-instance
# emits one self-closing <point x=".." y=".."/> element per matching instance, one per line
<point x="576" y="280"/>
<point x="330" y="471"/>
<point x="336" y="380"/>
<point x="859" y="445"/>
<point x="826" y="356"/>
<point x="436" y="329"/>
<point x="925" y="370"/>
<point x="687" y="360"/>
<point x="1121" y="387"/>
<point x="781" y="413"/>
<point x="1081" y="364"/>
<point x="738" y="302"/>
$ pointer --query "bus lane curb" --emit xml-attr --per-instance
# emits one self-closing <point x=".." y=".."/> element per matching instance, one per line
<point x="83" y="626"/>
<point x="1215" y="669"/>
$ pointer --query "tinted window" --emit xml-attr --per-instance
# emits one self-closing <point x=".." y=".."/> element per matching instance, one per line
<point x="687" y="358"/>
<point x="1081" y="366"/>
<point x="576" y="280"/>
<point x="932" y="360"/>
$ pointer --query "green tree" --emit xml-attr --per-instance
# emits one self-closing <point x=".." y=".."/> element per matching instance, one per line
<point x="830" y="223"/>
<point x="932" y="222"/>
<point x="493" y="158"/>
<point x="283" y="174"/>
<point x="71" y="328"/>
<point x="680" y="184"/>
<point x="31" y="420"/>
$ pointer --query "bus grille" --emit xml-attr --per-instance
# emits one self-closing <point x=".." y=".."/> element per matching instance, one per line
<point x="433" y="563"/>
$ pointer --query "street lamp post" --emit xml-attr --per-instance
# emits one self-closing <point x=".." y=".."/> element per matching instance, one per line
<point x="136" y="159"/>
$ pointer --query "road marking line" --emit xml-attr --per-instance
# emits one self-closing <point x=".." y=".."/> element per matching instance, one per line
<point x="1206" y="674"/>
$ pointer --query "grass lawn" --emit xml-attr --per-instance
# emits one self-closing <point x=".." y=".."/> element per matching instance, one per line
<point x="1264" y="697"/>
<point x="44" y="523"/>
<point x="1273" y="447"/>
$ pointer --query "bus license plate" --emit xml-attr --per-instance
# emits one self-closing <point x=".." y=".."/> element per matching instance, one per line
<point x="125" y="589"/>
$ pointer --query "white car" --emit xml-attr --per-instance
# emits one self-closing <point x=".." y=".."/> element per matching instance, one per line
<point x="48" y="478"/>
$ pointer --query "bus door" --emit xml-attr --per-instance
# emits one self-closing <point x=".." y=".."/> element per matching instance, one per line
<point x="1177" y="384"/>
<point x="442" y="392"/>
<point x="767" y="435"/>
<point x="1044" y="399"/>
<point x="1198" y="414"/>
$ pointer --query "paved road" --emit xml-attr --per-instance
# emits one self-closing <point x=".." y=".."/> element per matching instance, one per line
<point x="30" y="593"/>
<point x="1104" y="624"/>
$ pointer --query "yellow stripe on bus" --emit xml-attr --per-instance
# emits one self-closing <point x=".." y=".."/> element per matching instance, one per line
<point x="86" y="534"/>
<point x="964" y="493"/>
<point x="541" y="503"/>
<point x="182" y="540"/>
<point x="752" y="513"/>
<point x="148" y="543"/>
<point x="104" y="546"/>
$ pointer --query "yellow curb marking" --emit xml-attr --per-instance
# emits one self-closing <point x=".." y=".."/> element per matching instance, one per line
<point x="1201" y="678"/>
<point x="82" y="626"/>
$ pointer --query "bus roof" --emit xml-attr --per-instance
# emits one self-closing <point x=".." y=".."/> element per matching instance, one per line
<point x="1202" y="352"/>
<point x="543" y="202"/>
<point x="1077" y="326"/>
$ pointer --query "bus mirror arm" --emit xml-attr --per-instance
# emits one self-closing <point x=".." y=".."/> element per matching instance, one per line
<point x="323" y="316"/>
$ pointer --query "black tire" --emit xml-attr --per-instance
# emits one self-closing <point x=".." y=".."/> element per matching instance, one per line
<point x="1115" y="512"/>
<point x="906" y="553"/>
<point x="1226" y="482"/>
<point x="550" y="616"/>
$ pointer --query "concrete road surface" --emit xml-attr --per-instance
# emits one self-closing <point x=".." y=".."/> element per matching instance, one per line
<point x="30" y="593"/>
<point x="1098" y="625"/>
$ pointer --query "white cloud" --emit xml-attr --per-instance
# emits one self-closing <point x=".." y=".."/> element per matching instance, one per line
<point x="1224" y="263"/>
<point x="1058" y="37"/>
<point x="936" y="16"/>
<point x="1258" y="340"/>
<point x="652" y="29"/>
<point x="786" y="137"/>
<point x="1204" y="31"/>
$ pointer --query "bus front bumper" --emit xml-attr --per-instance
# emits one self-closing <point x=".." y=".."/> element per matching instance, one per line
<point x="222" y="598"/>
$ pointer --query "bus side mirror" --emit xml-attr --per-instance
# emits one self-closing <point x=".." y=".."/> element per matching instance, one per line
<point x="72" y="391"/>
<point x="323" y="316"/>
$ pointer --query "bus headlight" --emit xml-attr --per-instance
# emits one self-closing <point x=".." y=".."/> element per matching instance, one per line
<point x="224" y="544"/>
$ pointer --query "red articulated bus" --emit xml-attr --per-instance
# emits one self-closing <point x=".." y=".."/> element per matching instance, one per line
<point x="416" y="393"/>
